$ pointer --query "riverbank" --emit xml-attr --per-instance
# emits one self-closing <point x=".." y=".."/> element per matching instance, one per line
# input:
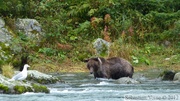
<point x="81" y="67"/>
<point x="162" y="60"/>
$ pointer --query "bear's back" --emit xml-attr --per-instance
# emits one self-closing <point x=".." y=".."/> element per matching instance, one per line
<point x="123" y="67"/>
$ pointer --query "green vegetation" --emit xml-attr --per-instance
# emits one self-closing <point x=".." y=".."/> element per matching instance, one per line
<point x="35" y="88"/>
<point x="138" y="29"/>
<point x="5" y="54"/>
<point x="40" y="88"/>
<point x="20" y="89"/>
<point x="4" y="88"/>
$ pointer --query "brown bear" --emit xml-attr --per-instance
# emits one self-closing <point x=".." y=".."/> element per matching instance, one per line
<point x="114" y="67"/>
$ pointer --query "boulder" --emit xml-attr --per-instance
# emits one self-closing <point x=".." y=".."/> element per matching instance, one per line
<point x="2" y="23"/>
<point x="5" y="39"/>
<point x="30" y="27"/>
<point x="167" y="75"/>
<point x="177" y="77"/>
<point x="42" y="78"/>
<point x="102" y="47"/>
<point x="139" y="77"/>
<point x="127" y="80"/>
<point x="29" y="30"/>
<point x="33" y="83"/>
<point x="19" y="87"/>
<point x="4" y="33"/>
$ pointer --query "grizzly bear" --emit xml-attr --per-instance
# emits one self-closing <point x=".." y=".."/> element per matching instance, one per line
<point x="114" y="67"/>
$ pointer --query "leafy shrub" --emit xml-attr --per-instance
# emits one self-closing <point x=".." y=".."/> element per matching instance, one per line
<point x="47" y="51"/>
<point x="5" y="53"/>
<point x="79" y="22"/>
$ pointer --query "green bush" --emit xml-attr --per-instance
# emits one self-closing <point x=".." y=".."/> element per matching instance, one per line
<point x="5" y="54"/>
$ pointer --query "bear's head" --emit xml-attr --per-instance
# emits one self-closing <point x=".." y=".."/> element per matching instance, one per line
<point x="94" y="64"/>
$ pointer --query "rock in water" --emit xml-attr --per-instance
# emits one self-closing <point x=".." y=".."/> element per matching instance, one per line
<point x="127" y="80"/>
<point x="21" y="75"/>
<point x="177" y="77"/>
<point x="167" y="75"/>
<point x="42" y="78"/>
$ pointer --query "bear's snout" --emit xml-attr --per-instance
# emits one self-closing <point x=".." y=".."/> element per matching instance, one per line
<point x="91" y="70"/>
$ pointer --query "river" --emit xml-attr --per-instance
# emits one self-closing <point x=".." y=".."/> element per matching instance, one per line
<point x="83" y="87"/>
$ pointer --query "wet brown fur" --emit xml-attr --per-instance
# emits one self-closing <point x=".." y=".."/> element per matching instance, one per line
<point x="114" y="67"/>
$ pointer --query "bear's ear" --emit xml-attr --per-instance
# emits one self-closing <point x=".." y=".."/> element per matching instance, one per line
<point x="85" y="60"/>
<point x="95" y="59"/>
<point x="98" y="59"/>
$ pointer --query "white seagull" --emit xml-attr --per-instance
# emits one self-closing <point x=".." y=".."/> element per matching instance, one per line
<point x="21" y="75"/>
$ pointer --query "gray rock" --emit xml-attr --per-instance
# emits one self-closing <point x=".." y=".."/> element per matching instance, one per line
<point x="42" y="78"/>
<point x="5" y="39"/>
<point x="177" y="77"/>
<point x="127" y="80"/>
<point x="2" y="23"/>
<point x="30" y="27"/>
<point x="5" y="36"/>
<point x="18" y="87"/>
<point x="101" y="46"/>
<point x="33" y="83"/>
<point x="6" y="81"/>
<point x="167" y="75"/>
<point x="166" y="43"/>
<point x="139" y="77"/>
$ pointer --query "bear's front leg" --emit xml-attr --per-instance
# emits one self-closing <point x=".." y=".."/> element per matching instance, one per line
<point x="105" y="75"/>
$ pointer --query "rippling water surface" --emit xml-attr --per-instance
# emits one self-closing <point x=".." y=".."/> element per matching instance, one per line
<point x="83" y="87"/>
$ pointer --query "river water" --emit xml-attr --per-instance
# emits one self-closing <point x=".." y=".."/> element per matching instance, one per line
<point x="83" y="87"/>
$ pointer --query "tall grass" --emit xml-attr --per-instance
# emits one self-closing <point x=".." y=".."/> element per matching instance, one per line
<point x="7" y="70"/>
<point x="121" y="49"/>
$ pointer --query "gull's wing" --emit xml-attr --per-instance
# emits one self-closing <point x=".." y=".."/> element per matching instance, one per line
<point x="17" y="76"/>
